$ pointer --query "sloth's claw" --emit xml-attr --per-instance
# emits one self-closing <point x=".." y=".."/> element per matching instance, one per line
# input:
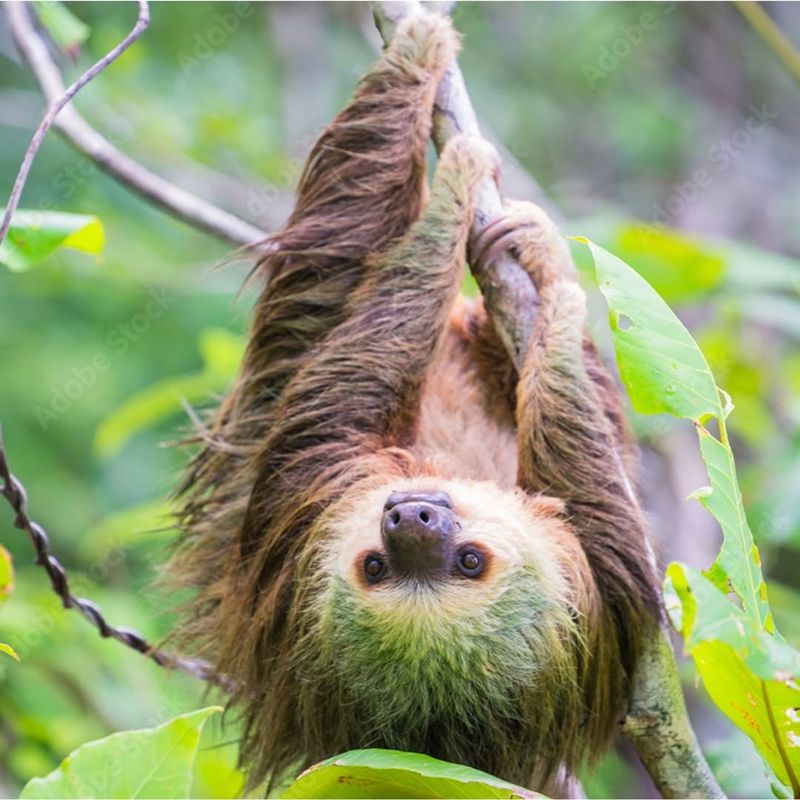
<point x="499" y="235"/>
<point x="527" y="232"/>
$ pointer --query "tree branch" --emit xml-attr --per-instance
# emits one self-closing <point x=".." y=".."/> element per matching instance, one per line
<point x="181" y="204"/>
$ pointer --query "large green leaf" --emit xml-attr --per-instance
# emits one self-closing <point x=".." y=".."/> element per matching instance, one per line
<point x="152" y="763"/>
<point x="750" y="674"/>
<point x="34" y="235"/>
<point x="390" y="773"/>
<point x="664" y="371"/>
<point x="660" y="364"/>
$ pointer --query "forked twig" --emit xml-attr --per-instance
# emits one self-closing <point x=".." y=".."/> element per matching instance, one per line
<point x="142" y="21"/>
<point x="65" y="118"/>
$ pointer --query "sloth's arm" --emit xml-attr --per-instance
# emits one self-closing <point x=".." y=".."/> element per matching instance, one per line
<point x="361" y="188"/>
<point x="570" y="438"/>
<point x="361" y="387"/>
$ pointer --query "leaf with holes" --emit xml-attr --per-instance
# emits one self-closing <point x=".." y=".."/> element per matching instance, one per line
<point x="750" y="674"/>
<point x="390" y="773"/>
<point x="664" y="371"/>
<point x="748" y="669"/>
<point x="660" y="364"/>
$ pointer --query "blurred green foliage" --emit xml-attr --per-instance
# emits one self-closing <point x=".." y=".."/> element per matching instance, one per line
<point x="628" y="121"/>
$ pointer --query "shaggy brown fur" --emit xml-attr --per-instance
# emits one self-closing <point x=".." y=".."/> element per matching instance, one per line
<point x="365" y="373"/>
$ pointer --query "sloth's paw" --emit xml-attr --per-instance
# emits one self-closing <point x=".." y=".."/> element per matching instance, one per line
<point x="470" y="158"/>
<point x="425" y="40"/>
<point x="527" y="232"/>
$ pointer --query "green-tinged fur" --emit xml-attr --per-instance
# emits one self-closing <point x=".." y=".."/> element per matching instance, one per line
<point x="491" y="687"/>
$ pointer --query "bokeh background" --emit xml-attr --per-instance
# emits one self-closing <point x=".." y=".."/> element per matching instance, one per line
<point x="622" y="114"/>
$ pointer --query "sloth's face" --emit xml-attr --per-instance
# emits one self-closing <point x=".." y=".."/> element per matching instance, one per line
<point x="446" y="600"/>
<point x="445" y="548"/>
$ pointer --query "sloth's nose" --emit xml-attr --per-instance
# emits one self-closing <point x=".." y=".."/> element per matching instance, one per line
<point x="416" y="533"/>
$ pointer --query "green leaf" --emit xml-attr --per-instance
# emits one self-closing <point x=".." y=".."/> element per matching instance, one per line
<point x="8" y="650"/>
<point x="151" y="763"/>
<point x="63" y="27"/>
<point x="221" y="351"/>
<point x="6" y="574"/>
<point x="34" y="235"/>
<point x="390" y="773"/>
<point x="663" y="370"/>
<point x="738" y="558"/>
<point x="660" y="364"/>
<point x="751" y="675"/>
<point x="749" y="670"/>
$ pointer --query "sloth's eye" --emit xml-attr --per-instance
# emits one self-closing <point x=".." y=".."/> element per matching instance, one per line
<point x="470" y="563"/>
<point x="374" y="568"/>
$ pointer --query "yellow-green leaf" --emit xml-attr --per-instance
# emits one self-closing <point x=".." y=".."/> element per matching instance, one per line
<point x="34" y="235"/>
<point x="6" y="574"/>
<point x="8" y="650"/>
<point x="750" y="674"/>
<point x="664" y="371"/>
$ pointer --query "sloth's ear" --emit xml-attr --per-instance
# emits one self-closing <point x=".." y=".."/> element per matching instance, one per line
<point x="543" y="505"/>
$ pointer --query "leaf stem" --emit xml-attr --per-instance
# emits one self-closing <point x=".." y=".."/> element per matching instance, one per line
<point x="771" y="35"/>
<point x="794" y="782"/>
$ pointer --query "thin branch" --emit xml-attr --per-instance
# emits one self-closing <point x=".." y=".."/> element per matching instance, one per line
<point x="506" y="287"/>
<point x="771" y="34"/>
<point x="142" y="21"/>
<point x="14" y="493"/>
<point x="181" y="204"/>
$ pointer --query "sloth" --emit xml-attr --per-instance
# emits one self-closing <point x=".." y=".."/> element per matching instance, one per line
<point x="396" y="539"/>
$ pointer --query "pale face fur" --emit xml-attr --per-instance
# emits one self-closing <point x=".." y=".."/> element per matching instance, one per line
<point x="512" y="529"/>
